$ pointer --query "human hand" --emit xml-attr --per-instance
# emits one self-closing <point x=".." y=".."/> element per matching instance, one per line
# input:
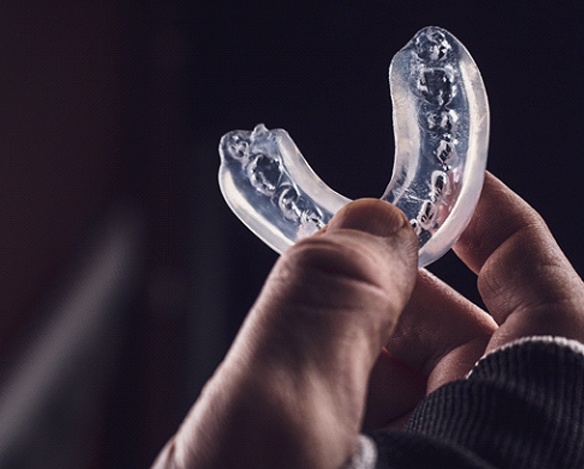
<point x="525" y="281"/>
<point x="291" y="391"/>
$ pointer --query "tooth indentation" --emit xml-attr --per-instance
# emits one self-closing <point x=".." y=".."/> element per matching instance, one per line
<point x="432" y="46"/>
<point x="436" y="85"/>
<point x="264" y="173"/>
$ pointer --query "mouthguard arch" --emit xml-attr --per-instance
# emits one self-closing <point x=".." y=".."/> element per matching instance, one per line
<point x="441" y="131"/>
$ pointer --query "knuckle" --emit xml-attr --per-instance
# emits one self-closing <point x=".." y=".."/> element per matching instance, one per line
<point x="325" y="272"/>
<point x="347" y="272"/>
<point x="316" y="256"/>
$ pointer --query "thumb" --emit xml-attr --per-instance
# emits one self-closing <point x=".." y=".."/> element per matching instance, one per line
<point x="296" y="377"/>
<point x="341" y="290"/>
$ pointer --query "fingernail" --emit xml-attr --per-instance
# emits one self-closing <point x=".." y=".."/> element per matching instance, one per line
<point x="373" y="216"/>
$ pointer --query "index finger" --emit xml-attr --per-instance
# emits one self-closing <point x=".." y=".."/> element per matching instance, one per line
<point x="500" y="215"/>
<point x="520" y="266"/>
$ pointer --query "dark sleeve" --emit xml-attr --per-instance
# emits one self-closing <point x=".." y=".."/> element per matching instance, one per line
<point x="522" y="406"/>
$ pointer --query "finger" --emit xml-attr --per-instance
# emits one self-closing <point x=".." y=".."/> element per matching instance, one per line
<point x="395" y="389"/>
<point x="525" y="280"/>
<point x="297" y="373"/>
<point x="499" y="215"/>
<point x="346" y="285"/>
<point x="436" y="320"/>
<point x="439" y="337"/>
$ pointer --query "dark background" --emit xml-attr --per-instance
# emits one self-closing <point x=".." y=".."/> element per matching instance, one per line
<point x="102" y="102"/>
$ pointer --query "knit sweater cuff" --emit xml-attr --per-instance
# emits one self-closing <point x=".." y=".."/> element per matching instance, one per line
<point x="574" y="345"/>
<point x="522" y="405"/>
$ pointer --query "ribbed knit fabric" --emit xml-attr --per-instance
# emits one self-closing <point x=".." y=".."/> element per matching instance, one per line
<point x="415" y="451"/>
<point x="522" y="406"/>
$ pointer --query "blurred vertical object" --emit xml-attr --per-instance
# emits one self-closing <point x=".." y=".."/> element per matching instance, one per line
<point x="59" y="154"/>
<point x="71" y="230"/>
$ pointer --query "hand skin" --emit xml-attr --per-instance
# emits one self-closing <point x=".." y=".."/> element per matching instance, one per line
<point x="305" y="373"/>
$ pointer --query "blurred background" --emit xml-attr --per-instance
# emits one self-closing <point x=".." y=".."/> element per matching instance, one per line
<point x="124" y="276"/>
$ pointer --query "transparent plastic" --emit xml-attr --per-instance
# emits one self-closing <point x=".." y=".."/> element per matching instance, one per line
<point x="441" y="131"/>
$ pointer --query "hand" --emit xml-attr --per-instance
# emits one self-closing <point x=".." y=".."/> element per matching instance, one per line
<point x="525" y="281"/>
<point x="292" y="389"/>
